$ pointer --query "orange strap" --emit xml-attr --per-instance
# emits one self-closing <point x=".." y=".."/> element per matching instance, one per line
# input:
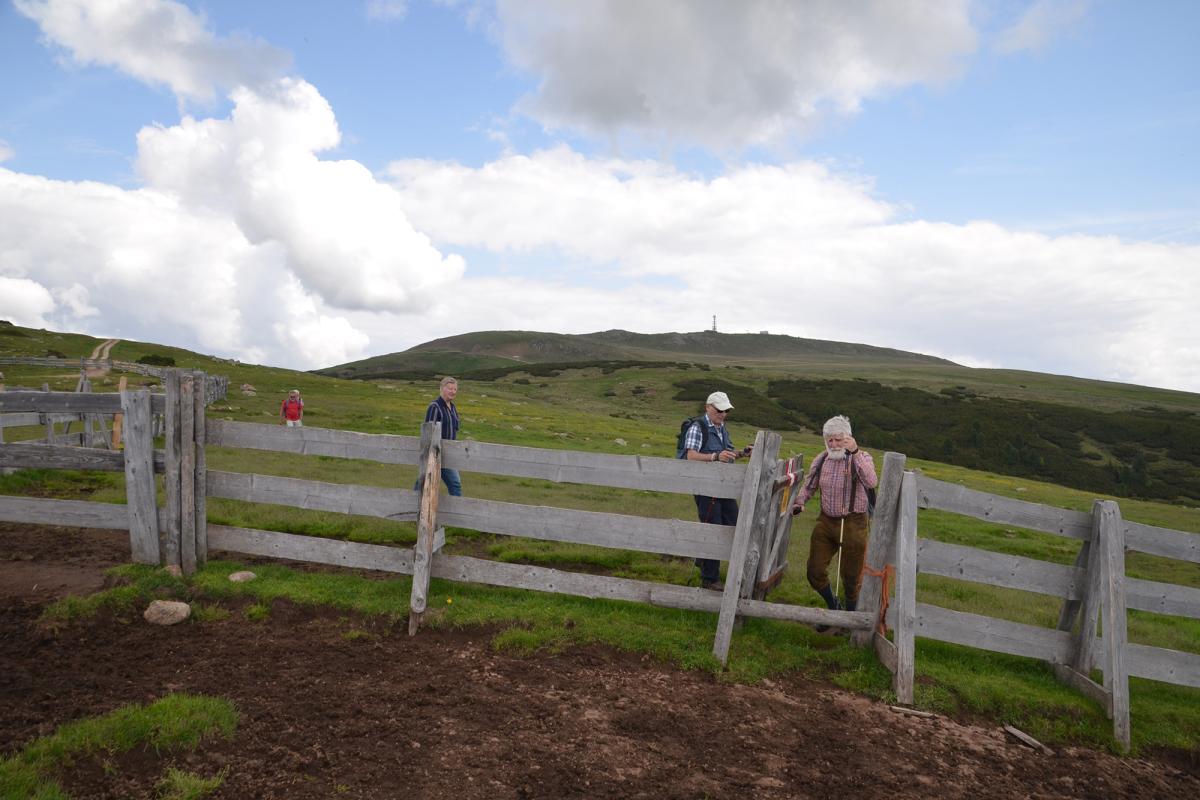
<point x="886" y="575"/>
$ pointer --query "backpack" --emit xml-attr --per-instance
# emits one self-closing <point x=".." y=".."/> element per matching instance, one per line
<point x="683" y="431"/>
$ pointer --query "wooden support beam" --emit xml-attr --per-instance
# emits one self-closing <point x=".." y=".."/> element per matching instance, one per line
<point x="756" y="490"/>
<point x="170" y="540"/>
<point x="200" y="484"/>
<point x="906" y="589"/>
<point x="881" y="544"/>
<point x="187" y="474"/>
<point x="140" y="488"/>
<point x="431" y="479"/>
<point x="1116" y="676"/>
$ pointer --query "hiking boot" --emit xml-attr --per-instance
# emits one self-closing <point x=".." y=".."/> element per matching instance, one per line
<point x="714" y="586"/>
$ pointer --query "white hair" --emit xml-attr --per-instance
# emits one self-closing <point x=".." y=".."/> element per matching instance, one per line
<point x="836" y="425"/>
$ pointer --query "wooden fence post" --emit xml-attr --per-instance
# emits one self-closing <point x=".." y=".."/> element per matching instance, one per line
<point x="1116" y="674"/>
<point x="49" y="419"/>
<point x="200" y="483"/>
<point x="881" y="543"/>
<point x="170" y="542"/>
<point x="119" y="419"/>
<point x="430" y="464"/>
<point x="755" y="490"/>
<point x="1083" y="657"/>
<point x="187" y="474"/>
<point x="777" y="531"/>
<point x="906" y="590"/>
<point x="139" y="478"/>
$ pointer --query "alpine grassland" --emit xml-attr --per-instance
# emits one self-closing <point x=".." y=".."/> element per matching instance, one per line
<point x="1048" y="439"/>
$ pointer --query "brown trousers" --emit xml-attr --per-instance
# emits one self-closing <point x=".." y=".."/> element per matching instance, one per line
<point x="824" y="547"/>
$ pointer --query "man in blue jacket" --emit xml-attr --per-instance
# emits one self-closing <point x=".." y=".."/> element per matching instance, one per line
<point x="708" y="440"/>
<point x="444" y="411"/>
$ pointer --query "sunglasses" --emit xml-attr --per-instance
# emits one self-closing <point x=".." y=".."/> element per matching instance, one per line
<point x="726" y="411"/>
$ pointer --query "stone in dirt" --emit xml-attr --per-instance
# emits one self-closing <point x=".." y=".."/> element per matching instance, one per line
<point x="174" y="569"/>
<point x="242" y="577"/>
<point x="167" y="612"/>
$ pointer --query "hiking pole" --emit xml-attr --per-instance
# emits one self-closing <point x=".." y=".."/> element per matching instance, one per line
<point x="837" y="578"/>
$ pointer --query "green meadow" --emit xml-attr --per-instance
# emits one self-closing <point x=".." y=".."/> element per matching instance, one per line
<point x="636" y="410"/>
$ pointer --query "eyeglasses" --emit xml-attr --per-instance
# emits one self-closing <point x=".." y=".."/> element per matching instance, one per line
<point x="719" y="411"/>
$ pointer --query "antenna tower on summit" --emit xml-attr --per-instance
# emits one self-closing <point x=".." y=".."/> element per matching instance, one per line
<point x="714" y="329"/>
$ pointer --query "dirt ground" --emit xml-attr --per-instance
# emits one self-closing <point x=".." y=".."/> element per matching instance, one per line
<point x="442" y="715"/>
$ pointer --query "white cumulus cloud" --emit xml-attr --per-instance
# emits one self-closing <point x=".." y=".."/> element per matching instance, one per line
<point x="159" y="42"/>
<point x="798" y="249"/>
<point x="724" y="74"/>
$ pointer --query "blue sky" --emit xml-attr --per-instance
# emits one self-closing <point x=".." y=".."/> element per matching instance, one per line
<point x="1008" y="184"/>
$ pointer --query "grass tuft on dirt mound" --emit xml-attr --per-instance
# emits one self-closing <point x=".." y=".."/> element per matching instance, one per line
<point x="177" y="721"/>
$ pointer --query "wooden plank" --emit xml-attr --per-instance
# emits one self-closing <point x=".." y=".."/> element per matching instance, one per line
<point x="597" y="469"/>
<point x="140" y="489"/>
<point x="988" y="633"/>
<point x="669" y="536"/>
<point x="65" y="513"/>
<point x="882" y="541"/>
<point x="993" y="508"/>
<point x="431" y="474"/>
<point x="45" y="456"/>
<point x="367" y="501"/>
<point x="273" y="544"/>
<point x="119" y="419"/>
<point x="1084" y="685"/>
<point x="1027" y="740"/>
<point x="169" y="541"/>
<point x="23" y="420"/>
<point x="1116" y="677"/>
<point x="384" y="448"/>
<point x="543" y="579"/>
<point x="885" y="651"/>
<point x="755" y="490"/>
<point x="1083" y="653"/>
<point x="187" y="474"/>
<point x="1162" y="542"/>
<point x="998" y="569"/>
<point x="1162" y="598"/>
<point x="1161" y="664"/>
<point x="68" y="402"/>
<point x="906" y="590"/>
<point x="1066" y="615"/>
<point x="200" y="484"/>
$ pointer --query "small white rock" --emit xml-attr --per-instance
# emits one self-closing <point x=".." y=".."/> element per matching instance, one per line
<point x="242" y="577"/>
<point x="167" y="612"/>
<point x="621" y="442"/>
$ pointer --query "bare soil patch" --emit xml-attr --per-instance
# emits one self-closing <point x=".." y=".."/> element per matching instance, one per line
<point x="339" y="705"/>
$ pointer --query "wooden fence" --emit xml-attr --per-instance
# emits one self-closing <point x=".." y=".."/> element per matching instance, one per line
<point x="1094" y="588"/>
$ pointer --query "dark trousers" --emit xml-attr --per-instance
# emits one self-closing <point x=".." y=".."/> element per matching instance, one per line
<point x="824" y="546"/>
<point x="717" y="511"/>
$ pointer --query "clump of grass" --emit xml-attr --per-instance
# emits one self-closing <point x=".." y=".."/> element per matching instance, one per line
<point x="177" y="721"/>
<point x="179" y="785"/>
<point x="143" y="584"/>
<point x="257" y="612"/>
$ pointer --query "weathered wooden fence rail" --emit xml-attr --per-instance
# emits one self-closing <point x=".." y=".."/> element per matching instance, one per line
<point x="1095" y="588"/>
<point x="756" y="548"/>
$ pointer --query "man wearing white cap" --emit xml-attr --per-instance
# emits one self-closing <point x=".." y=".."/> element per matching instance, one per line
<point x="707" y="439"/>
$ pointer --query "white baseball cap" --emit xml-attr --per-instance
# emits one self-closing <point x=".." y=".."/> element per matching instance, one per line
<point x="719" y="401"/>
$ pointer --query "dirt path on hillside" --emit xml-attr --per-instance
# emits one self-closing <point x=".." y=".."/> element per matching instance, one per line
<point x="101" y="352"/>
<point x="335" y="704"/>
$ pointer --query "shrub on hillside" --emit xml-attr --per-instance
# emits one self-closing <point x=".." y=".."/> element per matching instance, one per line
<point x="156" y="361"/>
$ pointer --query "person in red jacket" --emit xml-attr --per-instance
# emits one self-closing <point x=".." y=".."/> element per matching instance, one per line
<point x="291" y="413"/>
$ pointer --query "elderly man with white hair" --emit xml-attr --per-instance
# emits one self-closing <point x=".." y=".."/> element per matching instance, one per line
<point x="842" y="474"/>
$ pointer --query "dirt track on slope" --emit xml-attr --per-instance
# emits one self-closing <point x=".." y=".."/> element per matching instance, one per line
<point x="376" y="714"/>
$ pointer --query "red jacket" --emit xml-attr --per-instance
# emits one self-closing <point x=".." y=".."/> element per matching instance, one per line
<point x="292" y="409"/>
